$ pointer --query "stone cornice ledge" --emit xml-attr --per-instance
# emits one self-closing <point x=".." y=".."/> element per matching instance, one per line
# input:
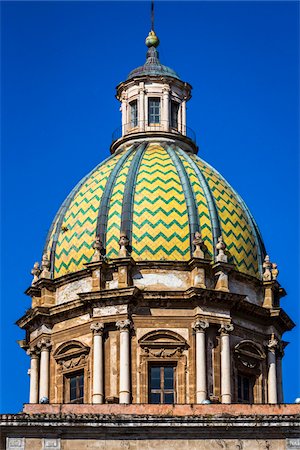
<point x="107" y="294"/>
<point x="266" y="421"/>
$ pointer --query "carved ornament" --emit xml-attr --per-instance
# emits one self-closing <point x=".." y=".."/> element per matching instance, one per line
<point x="124" y="325"/>
<point x="200" y="325"/>
<point x="97" y="328"/>
<point x="226" y="328"/>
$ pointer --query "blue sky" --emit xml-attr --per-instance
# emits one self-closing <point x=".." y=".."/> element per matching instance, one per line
<point x="61" y="62"/>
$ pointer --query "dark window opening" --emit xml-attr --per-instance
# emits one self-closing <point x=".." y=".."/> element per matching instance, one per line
<point x="162" y="384"/>
<point x="245" y="389"/>
<point x="174" y="114"/>
<point x="133" y="113"/>
<point x="153" y="110"/>
<point x="74" y="387"/>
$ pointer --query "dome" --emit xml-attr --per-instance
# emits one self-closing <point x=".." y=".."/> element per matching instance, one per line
<point x="152" y="67"/>
<point x="159" y="195"/>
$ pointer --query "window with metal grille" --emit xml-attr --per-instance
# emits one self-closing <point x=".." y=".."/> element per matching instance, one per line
<point x="133" y="113"/>
<point x="174" y="114"/>
<point x="74" y="387"/>
<point x="153" y="110"/>
<point x="162" y="384"/>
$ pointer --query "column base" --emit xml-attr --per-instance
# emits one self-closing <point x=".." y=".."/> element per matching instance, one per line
<point x="124" y="397"/>
<point x="226" y="398"/>
<point x="97" y="399"/>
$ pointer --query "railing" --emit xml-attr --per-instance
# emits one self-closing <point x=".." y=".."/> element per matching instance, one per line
<point x="145" y="127"/>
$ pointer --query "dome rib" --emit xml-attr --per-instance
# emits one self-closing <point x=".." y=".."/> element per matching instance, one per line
<point x="127" y="204"/>
<point x="194" y="223"/>
<point x="255" y="230"/>
<point x="106" y="196"/>
<point x="59" y="217"/>
<point x="215" y="220"/>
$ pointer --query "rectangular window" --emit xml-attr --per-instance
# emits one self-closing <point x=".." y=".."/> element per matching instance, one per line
<point x="162" y="384"/>
<point x="174" y="114"/>
<point x="133" y="113"/>
<point x="153" y="110"/>
<point x="245" y="389"/>
<point x="74" y="387"/>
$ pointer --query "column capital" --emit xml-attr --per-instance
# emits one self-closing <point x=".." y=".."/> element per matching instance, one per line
<point x="200" y="325"/>
<point x="124" y="325"/>
<point x="273" y="344"/>
<point x="33" y="352"/>
<point x="44" y="344"/>
<point x="226" y="328"/>
<point x="97" y="328"/>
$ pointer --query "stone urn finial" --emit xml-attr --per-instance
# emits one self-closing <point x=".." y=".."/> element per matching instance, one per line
<point x="198" y="243"/>
<point x="98" y="247"/>
<point x="36" y="271"/>
<point x="123" y="243"/>
<point x="45" y="272"/>
<point x="274" y="271"/>
<point x="221" y="247"/>
<point x="267" y="266"/>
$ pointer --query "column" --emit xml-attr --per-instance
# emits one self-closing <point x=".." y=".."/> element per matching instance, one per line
<point x="34" y="375"/>
<point x="124" y="115"/>
<point x="279" y="373"/>
<point x="124" y="374"/>
<point x="225" y="363"/>
<point x="44" y="345"/>
<point x="141" y="108"/>
<point x="166" y="106"/>
<point x="201" y="385"/>
<point x="98" y="372"/>
<point x="183" y="117"/>
<point x="272" y="379"/>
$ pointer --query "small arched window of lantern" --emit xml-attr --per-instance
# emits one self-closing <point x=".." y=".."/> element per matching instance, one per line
<point x="163" y="343"/>
<point x="71" y="354"/>
<point x="249" y="354"/>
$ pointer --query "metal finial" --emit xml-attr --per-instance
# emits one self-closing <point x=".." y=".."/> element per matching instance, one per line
<point x="152" y="40"/>
<point x="152" y="15"/>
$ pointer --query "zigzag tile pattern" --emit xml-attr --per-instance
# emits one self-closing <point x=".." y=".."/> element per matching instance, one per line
<point x="115" y="211"/>
<point x="203" y="211"/>
<point x="160" y="222"/>
<point x="77" y="234"/>
<point x="160" y="229"/>
<point x="236" y="229"/>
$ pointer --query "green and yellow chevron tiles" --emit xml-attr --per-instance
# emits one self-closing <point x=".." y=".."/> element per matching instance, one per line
<point x="235" y="226"/>
<point x="160" y="227"/>
<point x="160" y="218"/>
<point x="203" y="211"/>
<point x="77" y="234"/>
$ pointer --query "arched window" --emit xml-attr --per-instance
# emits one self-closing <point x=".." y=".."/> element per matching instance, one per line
<point x="163" y="367"/>
<point x="249" y="358"/>
<point x="72" y="372"/>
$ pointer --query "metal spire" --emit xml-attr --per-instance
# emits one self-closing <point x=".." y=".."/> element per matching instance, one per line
<point x="152" y="15"/>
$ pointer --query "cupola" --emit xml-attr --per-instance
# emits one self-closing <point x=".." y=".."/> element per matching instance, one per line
<point x="153" y="102"/>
